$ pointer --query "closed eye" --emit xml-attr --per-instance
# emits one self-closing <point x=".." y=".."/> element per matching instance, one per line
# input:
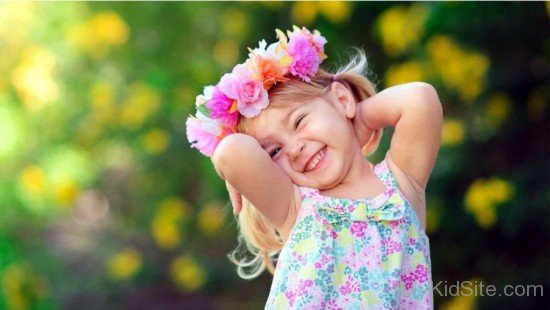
<point x="274" y="152"/>
<point x="299" y="120"/>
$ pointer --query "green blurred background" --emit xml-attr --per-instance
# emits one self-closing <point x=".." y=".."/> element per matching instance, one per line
<point x="104" y="205"/>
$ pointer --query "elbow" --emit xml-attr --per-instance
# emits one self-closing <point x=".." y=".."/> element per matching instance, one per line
<point x="428" y="97"/>
<point x="223" y="154"/>
<point x="230" y="151"/>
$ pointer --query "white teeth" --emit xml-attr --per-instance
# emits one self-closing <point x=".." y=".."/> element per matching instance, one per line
<point x="313" y="163"/>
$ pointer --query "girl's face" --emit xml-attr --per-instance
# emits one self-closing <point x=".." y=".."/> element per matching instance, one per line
<point x="314" y="142"/>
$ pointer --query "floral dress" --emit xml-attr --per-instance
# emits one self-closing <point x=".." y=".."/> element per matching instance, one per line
<point x="369" y="253"/>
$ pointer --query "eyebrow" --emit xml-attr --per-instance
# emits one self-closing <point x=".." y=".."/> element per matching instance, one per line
<point x="285" y="121"/>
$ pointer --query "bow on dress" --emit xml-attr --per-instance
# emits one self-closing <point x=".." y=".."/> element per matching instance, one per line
<point x="389" y="208"/>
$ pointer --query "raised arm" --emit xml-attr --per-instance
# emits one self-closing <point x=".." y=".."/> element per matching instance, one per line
<point x="415" y="111"/>
<point x="240" y="160"/>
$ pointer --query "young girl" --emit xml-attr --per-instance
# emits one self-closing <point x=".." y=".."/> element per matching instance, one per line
<point x="291" y="138"/>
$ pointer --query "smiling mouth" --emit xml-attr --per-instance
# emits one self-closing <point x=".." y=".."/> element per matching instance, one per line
<point x="316" y="159"/>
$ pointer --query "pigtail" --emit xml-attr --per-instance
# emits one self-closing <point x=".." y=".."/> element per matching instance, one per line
<point x="258" y="237"/>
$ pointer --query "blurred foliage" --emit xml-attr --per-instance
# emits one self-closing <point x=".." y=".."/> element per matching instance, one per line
<point x="103" y="203"/>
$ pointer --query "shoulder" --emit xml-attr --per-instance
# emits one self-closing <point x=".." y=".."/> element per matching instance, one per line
<point x="410" y="188"/>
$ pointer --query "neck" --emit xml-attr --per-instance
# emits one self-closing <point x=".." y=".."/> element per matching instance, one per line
<point x="359" y="182"/>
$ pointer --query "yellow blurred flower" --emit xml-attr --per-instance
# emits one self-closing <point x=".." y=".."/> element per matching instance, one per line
<point x="303" y="12"/>
<point x="16" y="19"/>
<point x="460" y="302"/>
<point x="335" y="11"/>
<point x="226" y="52"/>
<point x="475" y="70"/>
<point x="470" y="91"/>
<point x="98" y="34"/>
<point x="409" y="71"/>
<point x="453" y="132"/>
<point x="498" y="108"/>
<point x="110" y="28"/>
<point x="165" y="226"/>
<point x="188" y="275"/>
<point x="166" y="233"/>
<point x="33" y="78"/>
<point x="13" y="280"/>
<point x="401" y="28"/>
<point x="486" y="218"/>
<point x="66" y="193"/>
<point x="441" y="49"/>
<point x="33" y="179"/>
<point x="156" y="141"/>
<point x="142" y="102"/>
<point x="483" y="196"/>
<point x="211" y="218"/>
<point x="499" y="190"/>
<point x="234" y="24"/>
<point x="476" y="199"/>
<point x="56" y="181"/>
<point x="391" y="24"/>
<point x="466" y="299"/>
<point x="102" y="96"/>
<point x="82" y="36"/>
<point x="21" y="286"/>
<point x="125" y="264"/>
<point x="174" y="208"/>
<point x="459" y="69"/>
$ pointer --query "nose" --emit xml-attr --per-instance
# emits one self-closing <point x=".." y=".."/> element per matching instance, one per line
<point x="296" y="148"/>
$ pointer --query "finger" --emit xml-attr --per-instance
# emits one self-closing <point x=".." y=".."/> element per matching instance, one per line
<point x="236" y="202"/>
<point x="235" y="197"/>
<point x="238" y="205"/>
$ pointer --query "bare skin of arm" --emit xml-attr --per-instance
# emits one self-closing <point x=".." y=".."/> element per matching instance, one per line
<point x="415" y="111"/>
<point x="247" y="168"/>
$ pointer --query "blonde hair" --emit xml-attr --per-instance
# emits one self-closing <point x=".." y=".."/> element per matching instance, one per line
<point x="256" y="233"/>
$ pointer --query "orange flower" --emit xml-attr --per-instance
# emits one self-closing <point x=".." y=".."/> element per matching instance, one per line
<point x="270" y="71"/>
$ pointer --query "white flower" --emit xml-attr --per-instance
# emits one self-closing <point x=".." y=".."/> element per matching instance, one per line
<point x="205" y="97"/>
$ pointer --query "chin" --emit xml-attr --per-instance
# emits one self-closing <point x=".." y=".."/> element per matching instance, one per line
<point x="324" y="184"/>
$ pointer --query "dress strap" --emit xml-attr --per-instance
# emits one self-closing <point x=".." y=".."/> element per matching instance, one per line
<point x="383" y="172"/>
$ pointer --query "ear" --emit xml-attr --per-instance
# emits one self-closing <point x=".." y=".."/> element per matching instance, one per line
<point x="343" y="98"/>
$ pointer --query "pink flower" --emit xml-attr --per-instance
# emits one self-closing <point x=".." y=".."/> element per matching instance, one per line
<point x="358" y="229"/>
<point x="422" y="273"/>
<point x="205" y="135"/>
<point x="291" y="297"/>
<point x="250" y="93"/>
<point x="223" y="108"/>
<point x="307" y="52"/>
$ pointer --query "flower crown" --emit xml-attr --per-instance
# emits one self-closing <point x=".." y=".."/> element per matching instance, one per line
<point x="244" y="90"/>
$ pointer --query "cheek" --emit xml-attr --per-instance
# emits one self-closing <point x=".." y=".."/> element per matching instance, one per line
<point x="287" y="169"/>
